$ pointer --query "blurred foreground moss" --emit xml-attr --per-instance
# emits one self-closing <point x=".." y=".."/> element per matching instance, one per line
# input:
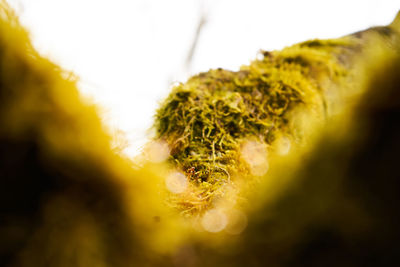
<point x="339" y="204"/>
<point x="66" y="198"/>
<point x="291" y="161"/>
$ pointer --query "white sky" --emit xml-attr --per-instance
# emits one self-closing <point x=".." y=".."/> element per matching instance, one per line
<point x="127" y="52"/>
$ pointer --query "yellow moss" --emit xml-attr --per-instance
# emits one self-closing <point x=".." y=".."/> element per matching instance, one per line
<point x="68" y="196"/>
<point x="206" y="120"/>
<point x="68" y="199"/>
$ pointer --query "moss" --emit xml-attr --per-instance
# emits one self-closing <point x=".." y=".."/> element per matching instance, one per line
<point x="206" y="120"/>
<point x="67" y="197"/>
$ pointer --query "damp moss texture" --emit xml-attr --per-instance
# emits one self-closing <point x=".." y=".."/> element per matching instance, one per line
<point x="207" y="120"/>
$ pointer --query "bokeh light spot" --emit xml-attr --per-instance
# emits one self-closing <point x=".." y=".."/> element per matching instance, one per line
<point x="176" y="182"/>
<point x="283" y="146"/>
<point x="157" y="151"/>
<point x="214" y="221"/>
<point x="237" y="222"/>
<point x="255" y="154"/>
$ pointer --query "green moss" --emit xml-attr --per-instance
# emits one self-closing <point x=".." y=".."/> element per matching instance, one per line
<point x="205" y="120"/>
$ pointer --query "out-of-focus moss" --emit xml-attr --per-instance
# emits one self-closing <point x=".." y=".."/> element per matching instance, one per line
<point x="66" y="197"/>
<point x="340" y="208"/>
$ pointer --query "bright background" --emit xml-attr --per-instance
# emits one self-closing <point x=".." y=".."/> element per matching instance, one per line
<point x="127" y="53"/>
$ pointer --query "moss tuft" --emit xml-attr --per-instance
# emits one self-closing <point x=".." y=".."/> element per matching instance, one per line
<point x="206" y="120"/>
